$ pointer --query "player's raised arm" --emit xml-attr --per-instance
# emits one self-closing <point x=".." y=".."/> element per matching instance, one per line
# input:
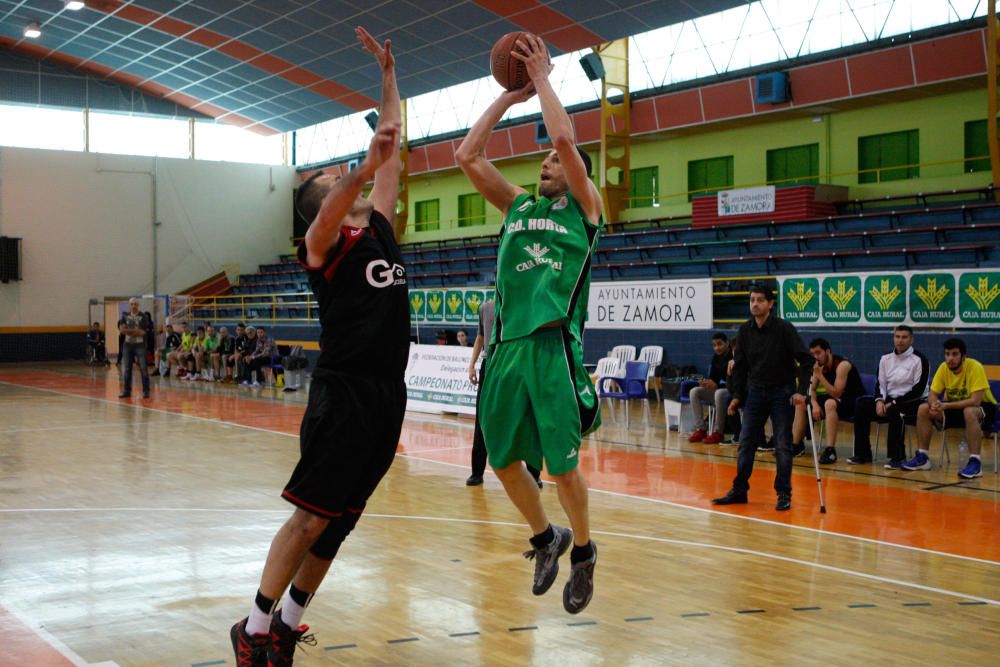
<point x="486" y="178"/>
<point x="531" y="50"/>
<point x="385" y="191"/>
<point x="325" y="228"/>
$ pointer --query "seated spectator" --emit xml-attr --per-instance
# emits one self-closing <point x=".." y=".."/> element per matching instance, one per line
<point x="95" y="344"/>
<point x="899" y="389"/>
<point x="968" y="403"/>
<point x="836" y="385"/>
<point x="181" y="355"/>
<point x="223" y="356"/>
<point x="240" y="350"/>
<point x="249" y="345"/>
<point x="462" y="338"/>
<point x="260" y="359"/>
<point x="195" y="359"/>
<point x="171" y="343"/>
<point x="713" y="389"/>
<point x="211" y="344"/>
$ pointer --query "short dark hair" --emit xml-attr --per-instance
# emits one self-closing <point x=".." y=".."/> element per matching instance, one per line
<point x="97" y="324"/>
<point x="720" y="336"/>
<point x="586" y="161"/>
<point x="309" y="197"/>
<point x="764" y="290"/>
<point x="821" y="343"/>
<point x="955" y="344"/>
<point x="200" y="329"/>
<point x="904" y="327"/>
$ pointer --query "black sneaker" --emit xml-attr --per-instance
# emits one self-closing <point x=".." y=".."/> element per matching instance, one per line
<point x="474" y="480"/>
<point x="768" y="446"/>
<point x="734" y="497"/>
<point x="580" y="587"/>
<point x="250" y="650"/>
<point x="547" y="559"/>
<point x="124" y="394"/>
<point x="784" y="502"/>
<point x="858" y="460"/>
<point x="829" y="455"/>
<point x="798" y="449"/>
<point x="284" y="640"/>
<point x="894" y="464"/>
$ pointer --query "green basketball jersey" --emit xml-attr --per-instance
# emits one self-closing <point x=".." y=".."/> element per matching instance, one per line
<point x="543" y="266"/>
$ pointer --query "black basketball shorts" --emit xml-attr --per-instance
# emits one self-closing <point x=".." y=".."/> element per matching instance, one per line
<point x="348" y="440"/>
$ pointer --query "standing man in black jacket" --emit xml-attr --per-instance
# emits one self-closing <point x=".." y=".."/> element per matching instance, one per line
<point x="764" y="377"/>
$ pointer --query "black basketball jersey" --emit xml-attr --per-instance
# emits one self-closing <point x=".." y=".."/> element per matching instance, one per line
<point x="364" y="308"/>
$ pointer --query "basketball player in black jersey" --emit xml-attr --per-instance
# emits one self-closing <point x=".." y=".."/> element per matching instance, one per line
<point x="357" y="397"/>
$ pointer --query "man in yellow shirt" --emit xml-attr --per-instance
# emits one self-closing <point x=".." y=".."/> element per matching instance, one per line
<point x="959" y="397"/>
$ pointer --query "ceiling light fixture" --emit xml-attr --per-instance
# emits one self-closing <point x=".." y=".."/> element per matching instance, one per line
<point x="74" y="5"/>
<point x="33" y="30"/>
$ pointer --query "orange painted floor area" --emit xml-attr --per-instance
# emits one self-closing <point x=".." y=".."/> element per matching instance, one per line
<point x="918" y="518"/>
<point x="22" y="646"/>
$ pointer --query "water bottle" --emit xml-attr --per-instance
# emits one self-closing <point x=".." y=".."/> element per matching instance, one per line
<point x="963" y="454"/>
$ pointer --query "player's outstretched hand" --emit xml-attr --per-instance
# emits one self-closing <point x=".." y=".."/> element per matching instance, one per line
<point x="384" y="146"/>
<point x="519" y="95"/>
<point x="531" y="50"/>
<point x="383" y="55"/>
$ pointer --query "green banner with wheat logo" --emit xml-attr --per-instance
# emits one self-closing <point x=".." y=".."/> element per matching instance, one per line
<point x="959" y="298"/>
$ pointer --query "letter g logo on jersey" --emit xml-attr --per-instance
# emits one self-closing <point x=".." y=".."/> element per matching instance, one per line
<point x="379" y="273"/>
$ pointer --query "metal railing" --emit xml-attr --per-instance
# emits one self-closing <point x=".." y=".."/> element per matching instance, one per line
<point x="255" y="307"/>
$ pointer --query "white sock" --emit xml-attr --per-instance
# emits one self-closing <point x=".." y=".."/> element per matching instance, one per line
<point x="291" y="611"/>
<point x="259" y="622"/>
<point x="975" y="456"/>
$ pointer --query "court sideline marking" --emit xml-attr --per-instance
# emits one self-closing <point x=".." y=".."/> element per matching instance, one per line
<point x="714" y="513"/>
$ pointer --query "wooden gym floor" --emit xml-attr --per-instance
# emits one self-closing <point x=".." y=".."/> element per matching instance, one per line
<point x="134" y="532"/>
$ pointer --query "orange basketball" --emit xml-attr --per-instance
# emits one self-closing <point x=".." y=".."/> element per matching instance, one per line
<point x="507" y="70"/>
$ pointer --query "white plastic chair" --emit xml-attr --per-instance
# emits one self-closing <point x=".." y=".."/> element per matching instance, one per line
<point x="624" y="354"/>
<point x="652" y="355"/>
<point x="608" y="367"/>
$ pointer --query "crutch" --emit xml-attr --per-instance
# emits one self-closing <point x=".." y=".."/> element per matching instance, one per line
<point x="812" y="437"/>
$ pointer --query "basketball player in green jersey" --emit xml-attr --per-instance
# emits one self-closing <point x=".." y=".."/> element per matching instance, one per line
<point x="538" y="401"/>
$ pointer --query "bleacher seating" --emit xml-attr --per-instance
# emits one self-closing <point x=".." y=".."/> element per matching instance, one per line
<point x="870" y="236"/>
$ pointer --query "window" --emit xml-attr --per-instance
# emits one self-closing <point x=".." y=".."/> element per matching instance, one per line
<point x="977" y="146"/>
<point x="644" y="187"/>
<point x="40" y="127"/>
<point x="879" y="151"/>
<point x="138" y="135"/>
<point x="794" y="165"/>
<point x="708" y="176"/>
<point x="471" y="210"/>
<point x="228" y="143"/>
<point x="428" y="215"/>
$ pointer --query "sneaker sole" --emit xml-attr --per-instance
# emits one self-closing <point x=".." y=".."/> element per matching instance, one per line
<point x="555" y="567"/>
<point x="926" y="466"/>
<point x="979" y="474"/>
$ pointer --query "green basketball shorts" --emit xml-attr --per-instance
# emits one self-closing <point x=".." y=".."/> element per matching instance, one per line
<point x="537" y="401"/>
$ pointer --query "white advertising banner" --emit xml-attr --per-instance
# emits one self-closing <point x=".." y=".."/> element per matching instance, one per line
<point x="746" y="200"/>
<point x="651" y="304"/>
<point x="437" y="379"/>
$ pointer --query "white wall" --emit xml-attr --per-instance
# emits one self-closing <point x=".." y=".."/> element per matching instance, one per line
<point x="87" y="230"/>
